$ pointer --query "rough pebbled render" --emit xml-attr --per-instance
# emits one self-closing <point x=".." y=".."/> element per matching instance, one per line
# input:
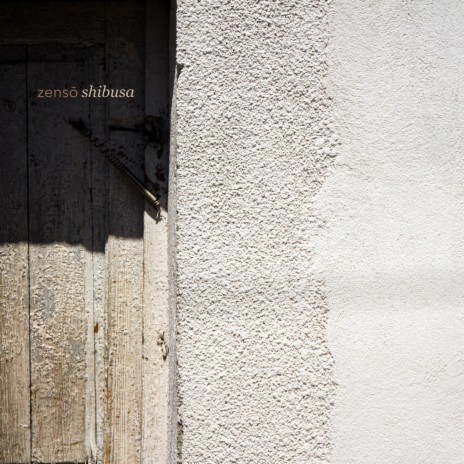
<point x="255" y="141"/>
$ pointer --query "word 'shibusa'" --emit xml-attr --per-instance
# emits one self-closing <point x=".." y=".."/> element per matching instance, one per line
<point x="100" y="91"/>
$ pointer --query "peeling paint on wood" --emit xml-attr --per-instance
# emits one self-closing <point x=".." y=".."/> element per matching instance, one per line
<point x="158" y="355"/>
<point x="125" y="255"/>
<point x="87" y="254"/>
<point x="59" y="219"/>
<point x="14" y="273"/>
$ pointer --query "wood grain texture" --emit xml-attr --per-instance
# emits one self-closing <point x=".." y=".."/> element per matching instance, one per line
<point x="158" y="353"/>
<point x="91" y="395"/>
<point x="97" y="333"/>
<point x="59" y="222"/>
<point x="125" y="245"/>
<point x="14" y="268"/>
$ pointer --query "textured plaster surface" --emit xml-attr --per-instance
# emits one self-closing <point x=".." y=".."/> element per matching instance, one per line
<point x="254" y="144"/>
<point x="392" y="251"/>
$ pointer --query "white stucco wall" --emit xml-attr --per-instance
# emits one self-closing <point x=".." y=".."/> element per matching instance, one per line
<point x="254" y="370"/>
<point x="319" y="256"/>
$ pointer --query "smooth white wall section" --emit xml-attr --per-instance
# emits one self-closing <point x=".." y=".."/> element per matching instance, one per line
<point x="392" y="253"/>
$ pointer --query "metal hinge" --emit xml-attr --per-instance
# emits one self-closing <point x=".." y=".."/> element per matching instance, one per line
<point x="112" y="156"/>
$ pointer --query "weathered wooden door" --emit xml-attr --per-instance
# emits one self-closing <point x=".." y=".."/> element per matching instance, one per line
<point x="47" y="224"/>
<point x="71" y="239"/>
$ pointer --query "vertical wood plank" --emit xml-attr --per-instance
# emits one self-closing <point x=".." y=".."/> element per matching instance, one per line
<point x="59" y="220"/>
<point x="125" y="52"/>
<point x="95" y="271"/>
<point x="96" y="352"/>
<point x="158" y="417"/>
<point x="14" y="272"/>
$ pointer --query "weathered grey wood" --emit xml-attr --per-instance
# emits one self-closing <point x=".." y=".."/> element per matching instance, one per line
<point x="14" y="268"/>
<point x="87" y="248"/>
<point x="96" y="352"/>
<point x="59" y="234"/>
<point x="96" y="269"/>
<point x="158" y="354"/>
<point x="81" y="22"/>
<point x="125" y="245"/>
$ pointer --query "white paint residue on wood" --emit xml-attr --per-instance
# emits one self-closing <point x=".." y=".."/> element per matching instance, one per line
<point x="58" y="223"/>
<point x="14" y="269"/>
<point x="158" y="353"/>
<point x="123" y="441"/>
<point x="98" y="395"/>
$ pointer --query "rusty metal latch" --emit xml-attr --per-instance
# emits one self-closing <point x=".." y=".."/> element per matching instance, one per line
<point x="112" y="156"/>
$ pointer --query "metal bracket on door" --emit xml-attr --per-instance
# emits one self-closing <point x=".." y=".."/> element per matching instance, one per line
<point x="111" y="155"/>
